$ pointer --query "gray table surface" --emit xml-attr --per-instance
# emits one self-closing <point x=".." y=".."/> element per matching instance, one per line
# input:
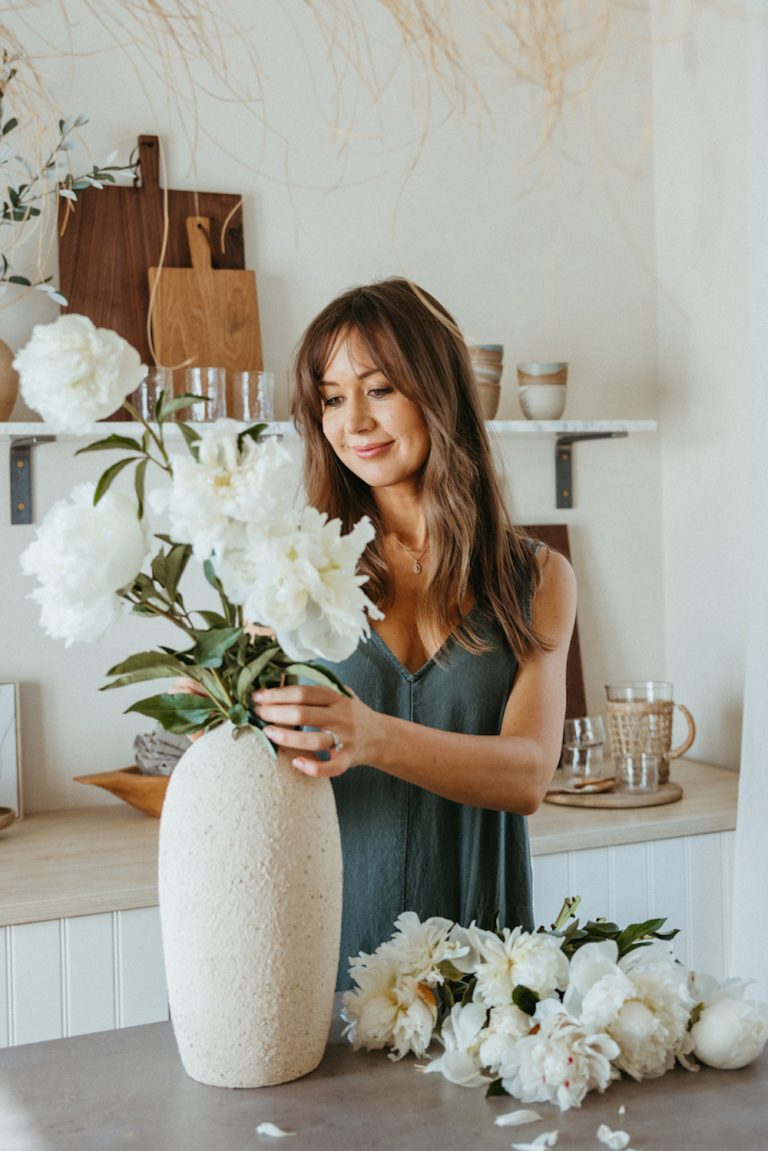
<point x="127" y="1089"/>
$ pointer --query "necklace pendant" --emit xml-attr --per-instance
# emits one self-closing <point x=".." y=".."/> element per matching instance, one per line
<point x="417" y="568"/>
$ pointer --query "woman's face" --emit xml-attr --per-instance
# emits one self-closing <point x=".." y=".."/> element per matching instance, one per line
<point x="376" y="431"/>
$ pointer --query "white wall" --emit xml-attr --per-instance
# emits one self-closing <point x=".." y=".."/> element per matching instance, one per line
<point x="549" y="252"/>
<point x="703" y="184"/>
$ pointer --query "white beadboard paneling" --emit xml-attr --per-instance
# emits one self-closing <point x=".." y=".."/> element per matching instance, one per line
<point x="551" y="885"/>
<point x="670" y="891"/>
<point x="37" y="1003"/>
<point x="707" y="864"/>
<point x="89" y="965"/>
<point x="630" y="883"/>
<point x="143" y="997"/>
<point x="591" y="880"/>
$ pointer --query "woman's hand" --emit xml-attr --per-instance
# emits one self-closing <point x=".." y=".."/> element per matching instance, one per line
<point x="345" y="727"/>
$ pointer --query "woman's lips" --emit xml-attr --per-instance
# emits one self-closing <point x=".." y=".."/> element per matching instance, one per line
<point x="370" y="451"/>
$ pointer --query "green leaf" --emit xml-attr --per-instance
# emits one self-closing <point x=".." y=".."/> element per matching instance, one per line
<point x="138" y="484"/>
<point x="252" y="671"/>
<point x="191" y="438"/>
<point x="180" y="713"/>
<point x="525" y="999"/>
<point x="146" y="660"/>
<point x="182" y="401"/>
<point x="211" y="645"/>
<point x="238" y="715"/>
<point x="317" y="675"/>
<point x="108" y="476"/>
<point x="251" y="433"/>
<point x="495" y="1088"/>
<point x="169" y="670"/>
<point x="209" y="572"/>
<point x="9" y="125"/>
<point x="213" y="618"/>
<point x="110" y="444"/>
<point x="175" y="563"/>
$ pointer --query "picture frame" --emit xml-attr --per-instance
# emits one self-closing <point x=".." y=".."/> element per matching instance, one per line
<point x="10" y="748"/>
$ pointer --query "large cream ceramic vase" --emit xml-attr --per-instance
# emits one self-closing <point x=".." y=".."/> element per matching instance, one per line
<point x="250" y="907"/>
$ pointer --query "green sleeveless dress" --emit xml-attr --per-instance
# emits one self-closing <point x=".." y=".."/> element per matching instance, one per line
<point x="405" y="848"/>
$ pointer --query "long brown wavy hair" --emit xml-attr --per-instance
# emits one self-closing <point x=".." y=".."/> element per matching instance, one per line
<point x="418" y="347"/>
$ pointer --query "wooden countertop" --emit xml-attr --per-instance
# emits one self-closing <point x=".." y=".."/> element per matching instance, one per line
<point x="117" y="1090"/>
<point x="90" y="860"/>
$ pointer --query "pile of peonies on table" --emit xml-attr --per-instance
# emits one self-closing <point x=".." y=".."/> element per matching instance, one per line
<point x="550" y="1015"/>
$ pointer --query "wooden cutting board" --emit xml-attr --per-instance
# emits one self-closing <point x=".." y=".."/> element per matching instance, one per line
<point x="202" y="316"/>
<point x="667" y="793"/>
<point x="115" y="234"/>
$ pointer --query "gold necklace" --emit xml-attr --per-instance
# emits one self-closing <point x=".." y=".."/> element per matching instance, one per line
<point x="417" y="566"/>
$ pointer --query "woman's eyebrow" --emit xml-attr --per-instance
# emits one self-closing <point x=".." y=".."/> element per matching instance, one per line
<point x="359" y="375"/>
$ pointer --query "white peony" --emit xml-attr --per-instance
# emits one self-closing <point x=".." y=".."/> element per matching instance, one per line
<point x="460" y="1035"/>
<point x="505" y="1026"/>
<point x="517" y="958"/>
<point x="419" y="948"/>
<point x="730" y="1031"/>
<point x="303" y="585"/>
<point x="82" y="555"/>
<point x="214" y="500"/>
<point x="387" y="1009"/>
<point x="559" y="1061"/>
<point x="642" y="1002"/>
<point x="74" y="373"/>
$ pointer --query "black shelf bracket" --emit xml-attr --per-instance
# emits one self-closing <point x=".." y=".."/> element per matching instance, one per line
<point x="564" y="462"/>
<point x="21" y="476"/>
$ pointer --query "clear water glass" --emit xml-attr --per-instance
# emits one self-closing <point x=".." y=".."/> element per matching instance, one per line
<point x="584" y="747"/>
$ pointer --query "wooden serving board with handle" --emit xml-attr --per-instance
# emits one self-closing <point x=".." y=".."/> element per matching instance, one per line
<point x="115" y="234"/>
<point x="203" y="316"/>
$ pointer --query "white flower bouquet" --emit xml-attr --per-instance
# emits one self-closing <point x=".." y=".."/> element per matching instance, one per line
<point x="550" y="1015"/>
<point x="284" y="577"/>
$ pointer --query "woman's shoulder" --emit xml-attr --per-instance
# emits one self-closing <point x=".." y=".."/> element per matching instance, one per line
<point x="555" y="601"/>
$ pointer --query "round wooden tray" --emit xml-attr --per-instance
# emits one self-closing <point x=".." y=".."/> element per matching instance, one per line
<point x="667" y="793"/>
<point x="7" y="816"/>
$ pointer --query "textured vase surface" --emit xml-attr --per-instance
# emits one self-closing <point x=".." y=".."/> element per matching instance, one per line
<point x="250" y="885"/>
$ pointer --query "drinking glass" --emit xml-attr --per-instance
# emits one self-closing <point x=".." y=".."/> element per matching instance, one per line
<point x="583" y="747"/>
<point x="253" y="395"/>
<point x="210" y="383"/>
<point x="157" y="380"/>
<point x="638" y="774"/>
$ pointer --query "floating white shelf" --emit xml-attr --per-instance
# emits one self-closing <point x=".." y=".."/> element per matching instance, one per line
<point x="24" y="436"/>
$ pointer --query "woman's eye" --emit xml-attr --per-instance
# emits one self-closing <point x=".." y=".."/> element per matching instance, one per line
<point x="377" y="393"/>
<point x="330" y="402"/>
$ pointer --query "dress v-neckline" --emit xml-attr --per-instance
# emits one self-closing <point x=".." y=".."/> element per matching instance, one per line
<point x="405" y="671"/>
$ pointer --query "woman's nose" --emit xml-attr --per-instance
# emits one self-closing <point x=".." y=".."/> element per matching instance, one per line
<point x="358" y="415"/>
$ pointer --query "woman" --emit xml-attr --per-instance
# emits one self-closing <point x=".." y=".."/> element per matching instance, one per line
<point x="459" y="694"/>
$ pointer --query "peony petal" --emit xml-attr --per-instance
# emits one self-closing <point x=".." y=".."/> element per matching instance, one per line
<point x="273" y="1130"/>
<point x="517" y="1118"/>
<point x="546" y="1139"/>
<point x="622" y="1110"/>
<point x="614" y="1140"/>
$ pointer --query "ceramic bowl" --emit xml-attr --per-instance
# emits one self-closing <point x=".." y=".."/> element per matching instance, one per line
<point x="551" y="372"/>
<point x="489" y="399"/>
<point x="542" y="401"/>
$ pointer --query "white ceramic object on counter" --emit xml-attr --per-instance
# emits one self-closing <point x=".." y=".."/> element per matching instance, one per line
<point x="542" y="401"/>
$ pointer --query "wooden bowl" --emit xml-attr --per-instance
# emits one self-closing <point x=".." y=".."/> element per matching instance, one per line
<point x="145" y="792"/>
<point x="7" y="816"/>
